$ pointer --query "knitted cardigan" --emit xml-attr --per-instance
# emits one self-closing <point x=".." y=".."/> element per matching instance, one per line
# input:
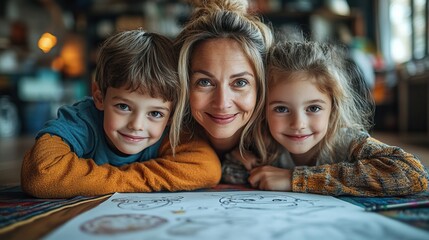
<point x="362" y="166"/>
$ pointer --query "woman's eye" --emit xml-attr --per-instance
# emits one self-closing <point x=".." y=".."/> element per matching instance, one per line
<point x="314" y="108"/>
<point x="241" y="83"/>
<point x="123" y="107"/>
<point x="281" y="109"/>
<point x="204" y="82"/>
<point x="156" y="114"/>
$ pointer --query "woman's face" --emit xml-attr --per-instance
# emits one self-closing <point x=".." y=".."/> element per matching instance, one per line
<point x="222" y="88"/>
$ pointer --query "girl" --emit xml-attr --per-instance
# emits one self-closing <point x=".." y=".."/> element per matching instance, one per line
<point x="320" y="124"/>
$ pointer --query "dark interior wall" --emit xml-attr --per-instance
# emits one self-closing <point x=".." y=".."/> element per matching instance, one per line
<point x="367" y="7"/>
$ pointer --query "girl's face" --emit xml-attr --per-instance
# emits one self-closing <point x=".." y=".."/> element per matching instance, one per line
<point x="297" y="112"/>
<point x="132" y="121"/>
<point x="222" y="89"/>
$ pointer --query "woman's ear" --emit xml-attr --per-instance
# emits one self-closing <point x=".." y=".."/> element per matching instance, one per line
<point x="97" y="96"/>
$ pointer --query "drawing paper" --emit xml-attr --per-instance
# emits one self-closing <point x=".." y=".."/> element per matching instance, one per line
<point x="231" y="215"/>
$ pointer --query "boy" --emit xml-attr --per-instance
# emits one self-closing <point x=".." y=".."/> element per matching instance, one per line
<point x="116" y="141"/>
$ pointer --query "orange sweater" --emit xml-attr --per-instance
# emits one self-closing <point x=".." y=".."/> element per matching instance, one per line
<point x="51" y="170"/>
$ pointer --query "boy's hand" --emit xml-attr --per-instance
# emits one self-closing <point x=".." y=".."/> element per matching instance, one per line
<point x="271" y="178"/>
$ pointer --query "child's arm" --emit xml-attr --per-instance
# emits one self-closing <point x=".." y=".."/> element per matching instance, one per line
<point x="376" y="169"/>
<point x="51" y="170"/>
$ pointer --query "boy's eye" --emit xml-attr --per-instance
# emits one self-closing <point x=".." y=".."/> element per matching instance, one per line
<point x="156" y="114"/>
<point x="241" y="83"/>
<point x="123" y="107"/>
<point x="281" y="109"/>
<point x="314" y="109"/>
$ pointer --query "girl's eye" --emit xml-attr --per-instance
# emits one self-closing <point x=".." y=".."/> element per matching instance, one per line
<point x="204" y="82"/>
<point x="156" y="114"/>
<point x="314" y="109"/>
<point x="241" y="83"/>
<point x="281" y="109"/>
<point x="123" y="107"/>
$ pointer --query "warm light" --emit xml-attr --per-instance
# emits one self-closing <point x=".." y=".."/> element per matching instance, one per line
<point x="46" y="42"/>
<point x="72" y="56"/>
<point x="57" y="64"/>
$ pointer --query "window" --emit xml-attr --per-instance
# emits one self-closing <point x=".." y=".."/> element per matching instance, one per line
<point x="400" y="28"/>
<point x="408" y="27"/>
<point x="419" y="28"/>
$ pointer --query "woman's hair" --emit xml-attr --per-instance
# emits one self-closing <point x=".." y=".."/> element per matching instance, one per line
<point x="215" y="19"/>
<point x="141" y="61"/>
<point x="332" y="73"/>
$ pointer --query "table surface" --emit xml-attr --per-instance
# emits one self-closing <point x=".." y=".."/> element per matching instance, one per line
<point x="41" y="226"/>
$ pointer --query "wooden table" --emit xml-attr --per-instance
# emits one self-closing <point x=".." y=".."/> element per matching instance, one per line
<point x="42" y="226"/>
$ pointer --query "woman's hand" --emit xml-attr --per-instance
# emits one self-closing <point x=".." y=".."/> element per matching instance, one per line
<point x="235" y="168"/>
<point x="271" y="178"/>
<point x="248" y="159"/>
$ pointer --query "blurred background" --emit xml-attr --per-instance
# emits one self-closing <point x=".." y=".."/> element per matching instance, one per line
<point x="48" y="50"/>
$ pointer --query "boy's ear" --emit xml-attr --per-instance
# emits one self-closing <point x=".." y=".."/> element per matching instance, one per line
<point x="98" y="97"/>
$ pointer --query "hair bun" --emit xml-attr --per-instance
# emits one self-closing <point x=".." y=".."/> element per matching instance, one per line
<point x="229" y="5"/>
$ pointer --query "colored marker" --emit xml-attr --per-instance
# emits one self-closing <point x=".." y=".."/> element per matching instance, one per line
<point x="394" y="206"/>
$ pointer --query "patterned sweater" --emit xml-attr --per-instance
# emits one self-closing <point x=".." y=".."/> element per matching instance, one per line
<point x="362" y="166"/>
<point x="51" y="170"/>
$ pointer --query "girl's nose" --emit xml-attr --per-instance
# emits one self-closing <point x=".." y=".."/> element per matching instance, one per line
<point x="298" y="121"/>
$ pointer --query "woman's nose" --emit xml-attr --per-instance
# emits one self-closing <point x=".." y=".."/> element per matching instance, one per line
<point x="222" y="98"/>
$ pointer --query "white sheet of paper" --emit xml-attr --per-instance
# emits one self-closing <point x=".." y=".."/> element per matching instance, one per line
<point x="231" y="215"/>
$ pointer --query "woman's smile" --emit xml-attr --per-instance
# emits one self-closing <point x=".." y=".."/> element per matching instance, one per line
<point x="222" y="118"/>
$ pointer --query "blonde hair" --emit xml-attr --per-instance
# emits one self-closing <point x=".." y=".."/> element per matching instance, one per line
<point x="333" y="76"/>
<point x="141" y="61"/>
<point x="227" y="19"/>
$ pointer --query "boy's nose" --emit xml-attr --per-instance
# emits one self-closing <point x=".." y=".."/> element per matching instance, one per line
<point x="137" y="123"/>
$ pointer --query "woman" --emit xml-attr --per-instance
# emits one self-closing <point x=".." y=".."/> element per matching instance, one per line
<point x="221" y="58"/>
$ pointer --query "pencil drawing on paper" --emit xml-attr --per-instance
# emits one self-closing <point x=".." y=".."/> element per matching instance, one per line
<point x="190" y="226"/>
<point x="229" y="216"/>
<point x="200" y="218"/>
<point x="145" y="203"/>
<point x="263" y="201"/>
<point x="121" y="223"/>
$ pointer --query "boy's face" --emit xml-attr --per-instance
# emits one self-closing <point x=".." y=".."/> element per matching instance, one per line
<point x="132" y="121"/>
<point x="297" y="113"/>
